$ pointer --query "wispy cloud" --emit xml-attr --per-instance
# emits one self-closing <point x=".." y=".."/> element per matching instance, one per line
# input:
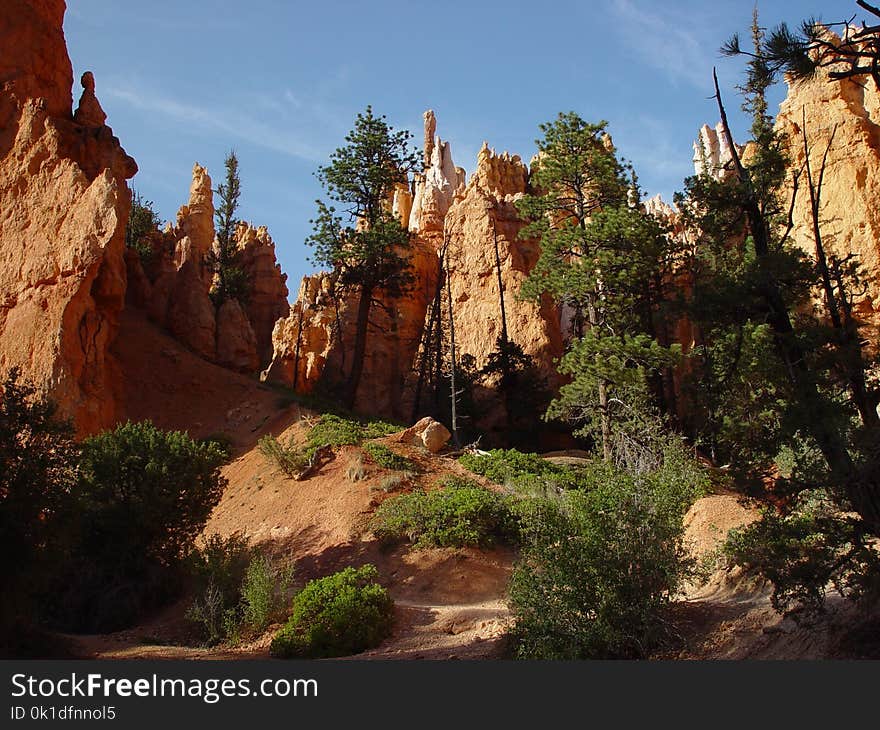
<point x="671" y="44"/>
<point x="660" y="157"/>
<point x="229" y="122"/>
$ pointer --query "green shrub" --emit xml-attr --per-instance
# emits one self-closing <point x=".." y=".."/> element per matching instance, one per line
<point x="501" y="465"/>
<point x="219" y="567"/>
<point x="239" y="590"/>
<point x="335" y="430"/>
<point x="805" y="551"/>
<point x="290" y="459"/>
<point x="387" y="459"/>
<point x="223" y="441"/>
<point x="146" y="492"/>
<point x="455" y="482"/>
<point x="599" y="567"/>
<point x="143" y="496"/>
<point x="452" y="517"/>
<point x="264" y="593"/>
<point x="344" y="613"/>
<point x="524" y="474"/>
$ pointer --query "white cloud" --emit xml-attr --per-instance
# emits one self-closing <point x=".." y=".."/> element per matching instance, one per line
<point x="671" y="44"/>
<point x="232" y="123"/>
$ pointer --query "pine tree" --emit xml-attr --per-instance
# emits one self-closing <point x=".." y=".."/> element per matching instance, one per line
<point x="752" y="299"/>
<point x="602" y="259"/>
<point x="366" y="248"/>
<point x="802" y="52"/>
<point x="230" y="279"/>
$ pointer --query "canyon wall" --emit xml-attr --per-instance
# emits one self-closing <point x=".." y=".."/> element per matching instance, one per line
<point x="65" y="271"/>
<point x="846" y="114"/>
<point x="64" y="204"/>
<point x="464" y="218"/>
<point x="172" y="283"/>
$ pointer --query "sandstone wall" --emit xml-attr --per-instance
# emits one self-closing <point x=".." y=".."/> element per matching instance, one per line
<point x="63" y="208"/>
<point x="314" y="343"/>
<point x="849" y="213"/>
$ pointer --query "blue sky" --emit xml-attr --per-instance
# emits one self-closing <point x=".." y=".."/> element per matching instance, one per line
<point x="281" y="82"/>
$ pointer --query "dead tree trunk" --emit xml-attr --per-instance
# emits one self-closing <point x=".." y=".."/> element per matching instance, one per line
<point x="864" y="498"/>
<point x="849" y="341"/>
<point x="453" y="393"/>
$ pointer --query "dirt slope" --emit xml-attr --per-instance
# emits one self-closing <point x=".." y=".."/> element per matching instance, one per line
<point x="449" y="603"/>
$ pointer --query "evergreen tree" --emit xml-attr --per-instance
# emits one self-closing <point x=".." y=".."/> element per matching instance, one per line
<point x="765" y="352"/>
<point x="603" y="260"/>
<point x="142" y="223"/>
<point x="37" y="478"/>
<point x="804" y="51"/>
<point x="368" y="245"/>
<point x="230" y="279"/>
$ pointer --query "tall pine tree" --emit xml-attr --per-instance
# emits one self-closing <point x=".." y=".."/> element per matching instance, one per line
<point x="230" y="280"/>
<point x="601" y="258"/>
<point x="367" y="244"/>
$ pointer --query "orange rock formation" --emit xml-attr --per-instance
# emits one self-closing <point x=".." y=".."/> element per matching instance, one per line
<point x="313" y="342"/>
<point x="64" y="204"/>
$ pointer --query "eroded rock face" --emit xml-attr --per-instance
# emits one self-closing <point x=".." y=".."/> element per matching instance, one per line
<point x="848" y="110"/>
<point x="437" y="185"/>
<point x="712" y="153"/>
<point x="174" y="285"/>
<point x="267" y="302"/>
<point x="64" y="204"/>
<point x="314" y="342"/>
<point x="236" y="342"/>
<point x="483" y="215"/>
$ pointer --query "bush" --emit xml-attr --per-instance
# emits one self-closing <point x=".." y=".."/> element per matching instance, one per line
<point x="387" y="459"/>
<point x="452" y="517"/>
<point x="599" y="567"/>
<point x="219" y="567"/>
<point x="502" y="465"/>
<point x="264" y="593"/>
<point x="239" y="589"/>
<point x="524" y="474"/>
<point x="224" y="442"/>
<point x="344" y="613"/>
<point x="144" y="495"/>
<point x="805" y="551"/>
<point x="333" y="430"/>
<point x="37" y="476"/>
<point x="290" y="459"/>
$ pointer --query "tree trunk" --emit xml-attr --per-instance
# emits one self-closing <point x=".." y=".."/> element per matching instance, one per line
<point x="506" y="376"/>
<point x="360" y="345"/>
<point x="603" y="393"/>
<point x="453" y="393"/>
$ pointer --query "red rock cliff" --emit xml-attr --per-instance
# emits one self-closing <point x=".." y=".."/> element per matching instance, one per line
<point x="64" y="204"/>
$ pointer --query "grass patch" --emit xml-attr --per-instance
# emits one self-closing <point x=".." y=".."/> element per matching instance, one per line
<point x="334" y="430"/>
<point x="387" y="459"/>
<point x="457" y="516"/>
